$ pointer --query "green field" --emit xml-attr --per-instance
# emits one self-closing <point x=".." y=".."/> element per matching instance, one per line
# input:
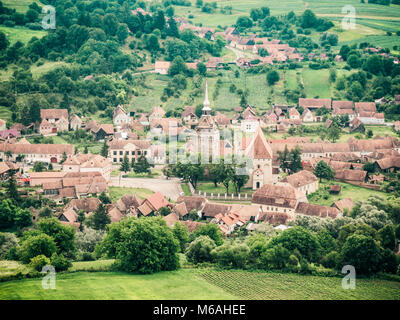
<point x="321" y="7"/>
<point x="356" y="193"/>
<point x="21" y="34"/>
<point x="19" y="5"/>
<point x="117" y="192"/>
<point x="277" y="286"/>
<point x="198" y="285"/>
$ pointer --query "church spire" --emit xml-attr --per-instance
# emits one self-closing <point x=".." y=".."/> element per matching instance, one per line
<point x="206" y="103"/>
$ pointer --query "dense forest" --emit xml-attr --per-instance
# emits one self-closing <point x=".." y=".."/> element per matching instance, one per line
<point x="103" y="41"/>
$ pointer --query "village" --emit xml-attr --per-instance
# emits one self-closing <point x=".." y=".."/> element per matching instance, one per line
<point x="275" y="197"/>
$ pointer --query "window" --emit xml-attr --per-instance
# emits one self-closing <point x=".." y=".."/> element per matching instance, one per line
<point x="145" y="152"/>
<point x="121" y="153"/>
<point x="115" y="153"/>
<point x="139" y="152"/>
<point x="133" y="153"/>
<point x="115" y="159"/>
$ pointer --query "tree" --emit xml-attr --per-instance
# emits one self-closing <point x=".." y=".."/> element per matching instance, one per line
<point x="178" y="66"/>
<point x="33" y="246"/>
<point x="231" y="255"/>
<point x="104" y="198"/>
<point x="323" y="171"/>
<point x="290" y="161"/>
<point x="308" y="19"/>
<point x="104" y="149"/>
<point x="142" y="165"/>
<point x="243" y="23"/>
<point x="239" y="179"/>
<point x="201" y="67"/>
<point x="301" y="239"/>
<point x="333" y="132"/>
<point x="326" y="241"/>
<point x="81" y="218"/>
<point x="189" y="171"/>
<point x="144" y="245"/>
<point x="110" y="24"/>
<point x="4" y="43"/>
<point x="122" y="32"/>
<point x="210" y="230"/>
<point x="12" y="190"/>
<point x="23" y="218"/>
<point x="200" y="249"/>
<point x="272" y="77"/>
<point x="63" y="235"/>
<point x="31" y="15"/>
<point x="181" y="233"/>
<point x="369" y="167"/>
<point x="387" y="237"/>
<point x="362" y="252"/>
<point x="125" y="165"/>
<point x="152" y="43"/>
<point x="38" y="166"/>
<point x="100" y="218"/>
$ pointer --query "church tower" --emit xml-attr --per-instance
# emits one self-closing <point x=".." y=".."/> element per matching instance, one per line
<point x="207" y="132"/>
<point x="261" y="154"/>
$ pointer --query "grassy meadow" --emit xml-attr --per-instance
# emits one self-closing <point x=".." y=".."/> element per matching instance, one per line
<point x="117" y="192"/>
<point x="356" y="193"/>
<point x="195" y="284"/>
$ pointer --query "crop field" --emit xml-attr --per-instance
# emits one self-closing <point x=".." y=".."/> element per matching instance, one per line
<point x="267" y="286"/>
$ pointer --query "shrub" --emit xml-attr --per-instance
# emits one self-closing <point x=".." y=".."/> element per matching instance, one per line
<point x="200" y="249"/>
<point x="362" y="252"/>
<point x="87" y="240"/>
<point x="211" y="230"/>
<point x="301" y="239"/>
<point x="330" y="260"/>
<point x="33" y="246"/>
<point x="60" y="263"/>
<point x="231" y="255"/>
<point x="277" y="257"/>
<point x="8" y="241"/>
<point x="145" y="245"/>
<point x="39" y="262"/>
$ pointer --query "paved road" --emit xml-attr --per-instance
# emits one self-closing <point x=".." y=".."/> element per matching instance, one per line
<point x="170" y="188"/>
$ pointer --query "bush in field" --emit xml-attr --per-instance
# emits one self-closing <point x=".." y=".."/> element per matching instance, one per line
<point x="301" y="239"/>
<point x="86" y="240"/>
<point x="41" y="244"/>
<point x="7" y="241"/>
<point x="277" y="257"/>
<point x="60" y="263"/>
<point x="331" y="259"/>
<point x="200" y="249"/>
<point x="39" y="262"/>
<point x="362" y="252"/>
<point x="211" y="230"/>
<point x="63" y="235"/>
<point x="145" y="245"/>
<point x="231" y="255"/>
<point x="181" y="233"/>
